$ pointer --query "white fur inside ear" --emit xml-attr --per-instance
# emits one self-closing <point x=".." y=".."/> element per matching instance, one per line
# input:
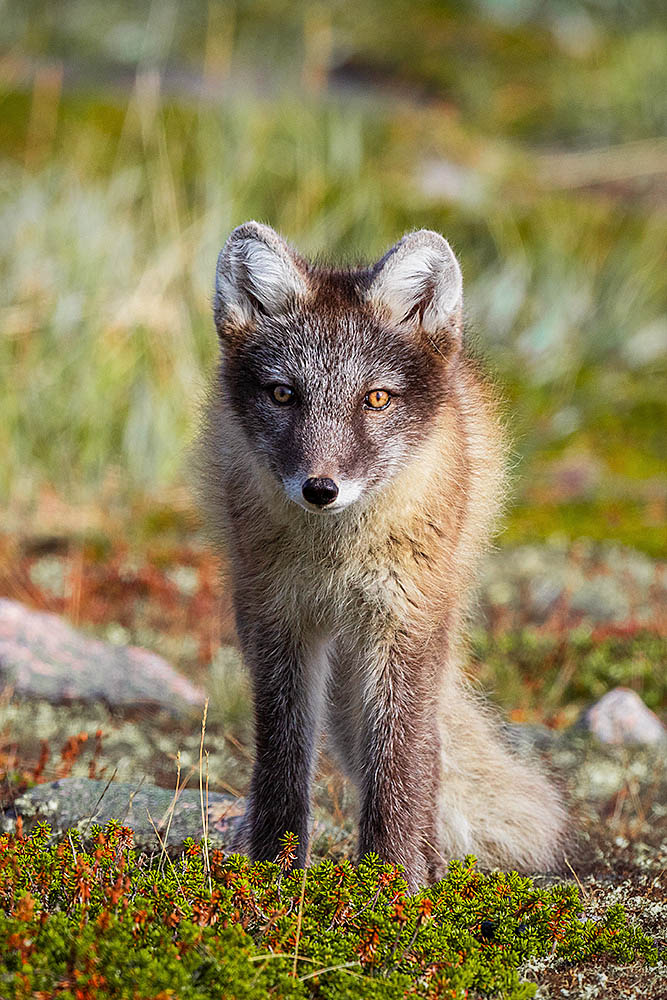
<point x="256" y="266"/>
<point x="272" y="277"/>
<point x="419" y="281"/>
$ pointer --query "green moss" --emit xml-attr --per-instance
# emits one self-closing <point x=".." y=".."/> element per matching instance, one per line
<point x="94" y="921"/>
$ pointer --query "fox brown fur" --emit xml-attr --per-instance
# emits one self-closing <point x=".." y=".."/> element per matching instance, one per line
<point x="351" y="611"/>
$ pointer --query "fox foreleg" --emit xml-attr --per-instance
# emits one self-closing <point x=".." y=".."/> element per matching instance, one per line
<point x="286" y="697"/>
<point x="399" y="781"/>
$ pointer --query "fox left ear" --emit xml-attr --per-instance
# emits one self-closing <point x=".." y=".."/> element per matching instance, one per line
<point x="418" y="282"/>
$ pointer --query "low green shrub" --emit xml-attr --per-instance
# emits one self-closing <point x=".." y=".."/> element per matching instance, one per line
<point x="89" y="920"/>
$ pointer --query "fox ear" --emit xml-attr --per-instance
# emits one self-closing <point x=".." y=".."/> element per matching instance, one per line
<point x="418" y="282"/>
<point x="257" y="272"/>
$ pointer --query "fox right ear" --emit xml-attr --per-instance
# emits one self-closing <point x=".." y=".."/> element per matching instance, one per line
<point x="257" y="273"/>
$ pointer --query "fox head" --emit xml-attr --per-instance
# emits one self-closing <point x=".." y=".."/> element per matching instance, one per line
<point x="336" y="377"/>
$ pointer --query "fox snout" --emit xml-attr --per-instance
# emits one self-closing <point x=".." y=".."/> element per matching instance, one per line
<point x="322" y="494"/>
<point x="320" y="491"/>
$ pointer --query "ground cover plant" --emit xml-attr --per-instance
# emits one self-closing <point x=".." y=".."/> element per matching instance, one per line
<point x="552" y="677"/>
<point x="90" y="919"/>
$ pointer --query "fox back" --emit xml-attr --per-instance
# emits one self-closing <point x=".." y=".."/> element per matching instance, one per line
<point x="352" y="468"/>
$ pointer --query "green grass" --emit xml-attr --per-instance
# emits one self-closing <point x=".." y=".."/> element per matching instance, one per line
<point x="576" y="72"/>
<point x="553" y="677"/>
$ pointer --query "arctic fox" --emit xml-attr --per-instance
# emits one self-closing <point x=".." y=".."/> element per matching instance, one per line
<point x="352" y="469"/>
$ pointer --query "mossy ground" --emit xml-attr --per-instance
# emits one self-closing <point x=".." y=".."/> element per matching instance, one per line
<point x="617" y="856"/>
<point x="163" y="591"/>
<point x="91" y="920"/>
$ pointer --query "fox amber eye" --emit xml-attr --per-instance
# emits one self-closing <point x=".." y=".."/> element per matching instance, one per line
<point x="377" y="399"/>
<point x="282" y="394"/>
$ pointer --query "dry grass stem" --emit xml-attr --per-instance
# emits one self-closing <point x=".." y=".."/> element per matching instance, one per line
<point x="345" y="967"/>
<point x="170" y="810"/>
<point x="206" y="825"/>
<point x="164" y="852"/>
<point x="583" y="891"/>
<point x="299" y="921"/>
<point x="97" y="804"/>
<point x="204" y="805"/>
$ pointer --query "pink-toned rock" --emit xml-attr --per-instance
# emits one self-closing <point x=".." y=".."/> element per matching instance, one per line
<point x="620" y="716"/>
<point x="41" y="656"/>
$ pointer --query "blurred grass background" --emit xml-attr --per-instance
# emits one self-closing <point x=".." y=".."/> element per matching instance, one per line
<point x="134" y="136"/>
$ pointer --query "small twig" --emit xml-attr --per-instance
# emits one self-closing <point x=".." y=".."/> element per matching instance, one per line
<point x="171" y="863"/>
<point x="407" y="948"/>
<point x="299" y="920"/>
<point x="97" y="804"/>
<point x="229" y="788"/>
<point x="239" y="746"/>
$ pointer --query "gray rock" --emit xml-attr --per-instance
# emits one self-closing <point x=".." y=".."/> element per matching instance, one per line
<point x="544" y="592"/>
<point x="528" y="738"/>
<point x="41" y="656"/>
<point x="620" y="716"/>
<point x="80" y="802"/>
<point x="602" y="600"/>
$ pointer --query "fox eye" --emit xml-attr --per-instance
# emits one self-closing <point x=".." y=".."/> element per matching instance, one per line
<point x="282" y="394"/>
<point x="377" y="399"/>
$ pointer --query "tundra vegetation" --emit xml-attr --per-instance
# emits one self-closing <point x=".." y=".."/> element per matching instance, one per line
<point x="133" y="138"/>
<point x="84" y="920"/>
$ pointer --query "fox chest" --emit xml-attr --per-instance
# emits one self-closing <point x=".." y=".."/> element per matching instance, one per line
<point x="338" y="583"/>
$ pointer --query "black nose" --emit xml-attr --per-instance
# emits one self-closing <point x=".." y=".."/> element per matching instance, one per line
<point x="319" y="491"/>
